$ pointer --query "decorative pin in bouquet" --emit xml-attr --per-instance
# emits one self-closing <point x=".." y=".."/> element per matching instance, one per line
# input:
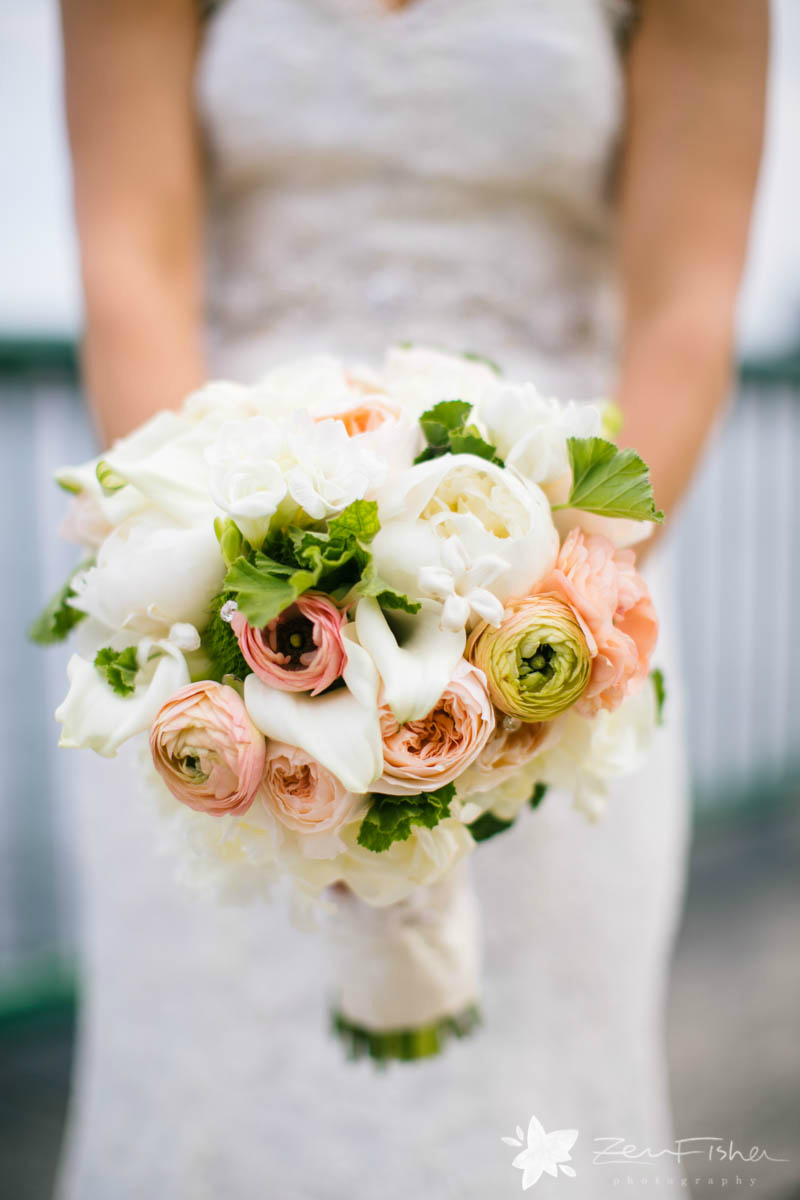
<point x="365" y="617"/>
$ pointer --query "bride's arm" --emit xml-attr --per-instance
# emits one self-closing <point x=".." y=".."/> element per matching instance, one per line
<point x="697" y="75"/>
<point x="129" y="68"/>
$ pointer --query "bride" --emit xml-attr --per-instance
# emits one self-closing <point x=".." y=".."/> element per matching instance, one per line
<point x="258" y="179"/>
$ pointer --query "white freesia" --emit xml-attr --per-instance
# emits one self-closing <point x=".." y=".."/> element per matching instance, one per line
<point x="151" y="573"/>
<point x="340" y="729"/>
<point x="591" y="752"/>
<point x="461" y="584"/>
<point x="414" y="656"/>
<point x="93" y="715"/>
<point x="246" y="473"/>
<point x="530" y="431"/>
<point x="421" y="376"/>
<point x="492" y="512"/>
<point x="330" y="470"/>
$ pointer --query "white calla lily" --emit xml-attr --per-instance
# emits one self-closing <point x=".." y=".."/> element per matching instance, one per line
<point x="151" y="573"/>
<point x="92" y="715"/>
<point x="340" y="729"/>
<point x="414" y="656"/>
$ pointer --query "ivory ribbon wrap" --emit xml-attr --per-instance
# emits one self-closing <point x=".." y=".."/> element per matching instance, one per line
<point x="408" y="964"/>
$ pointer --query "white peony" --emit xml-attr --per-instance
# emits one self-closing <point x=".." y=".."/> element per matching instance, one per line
<point x="151" y="573"/>
<point x="530" y="431"/>
<point x="93" y="715"/>
<point x="494" y="514"/>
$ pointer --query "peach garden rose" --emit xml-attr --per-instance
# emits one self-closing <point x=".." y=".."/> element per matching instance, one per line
<point x="207" y="750"/>
<point x="427" y="753"/>
<point x="302" y="794"/>
<point x="301" y="650"/>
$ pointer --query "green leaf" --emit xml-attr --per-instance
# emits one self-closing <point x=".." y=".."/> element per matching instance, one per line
<point x="58" y="618"/>
<point x="222" y="645"/>
<point x="118" y="668"/>
<point x="390" y="818"/>
<point x="260" y="588"/>
<point x="372" y="584"/>
<point x="359" y="519"/>
<point x="609" y="482"/>
<point x="231" y="542"/>
<point x="474" y="356"/>
<point x="446" y="432"/>
<point x="660" y="689"/>
<point x="539" y="793"/>
<point x="487" y="825"/>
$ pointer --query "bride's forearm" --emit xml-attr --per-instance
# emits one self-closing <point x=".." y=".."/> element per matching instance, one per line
<point x="129" y="82"/>
<point x="696" y="88"/>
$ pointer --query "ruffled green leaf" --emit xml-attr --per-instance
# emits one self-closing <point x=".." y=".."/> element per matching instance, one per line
<point x="222" y="645"/>
<point x="119" y="668"/>
<point x="446" y="432"/>
<point x="609" y="482"/>
<point x="391" y="818"/>
<point x="58" y="618"/>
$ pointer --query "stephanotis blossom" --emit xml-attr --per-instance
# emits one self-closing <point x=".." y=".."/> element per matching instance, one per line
<point x="207" y="750"/>
<point x="306" y="798"/>
<point x="301" y="650"/>
<point x="427" y="753"/>
<point x="602" y="585"/>
<point x="462" y="585"/>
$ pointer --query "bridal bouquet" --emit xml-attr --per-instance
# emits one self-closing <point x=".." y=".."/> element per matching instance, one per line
<point x="364" y="618"/>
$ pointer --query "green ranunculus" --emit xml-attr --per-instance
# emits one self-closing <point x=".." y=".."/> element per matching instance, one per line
<point x="537" y="663"/>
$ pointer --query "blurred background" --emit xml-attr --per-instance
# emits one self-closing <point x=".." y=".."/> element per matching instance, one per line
<point x="734" y="1008"/>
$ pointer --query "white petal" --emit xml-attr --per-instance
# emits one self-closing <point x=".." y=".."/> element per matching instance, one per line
<point x="340" y="733"/>
<point x="455" y="557"/>
<point x="436" y="582"/>
<point x="416" y="670"/>
<point x="486" y="605"/>
<point x="455" y="613"/>
<point x="94" y="716"/>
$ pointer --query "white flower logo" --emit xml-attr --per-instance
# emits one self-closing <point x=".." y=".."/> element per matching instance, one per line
<point x="544" y="1153"/>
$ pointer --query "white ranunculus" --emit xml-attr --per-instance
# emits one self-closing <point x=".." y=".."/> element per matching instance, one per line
<point x="246" y="473"/>
<point x="92" y="715"/>
<point x="151" y="573"/>
<point x="492" y="512"/>
<point x="421" y="376"/>
<point x="592" y="752"/>
<point x="330" y="470"/>
<point x="530" y="431"/>
<point x="414" y="656"/>
<point x="341" y="729"/>
<point x="392" y="875"/>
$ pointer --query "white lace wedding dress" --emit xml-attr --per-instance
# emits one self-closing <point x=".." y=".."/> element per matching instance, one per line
<point x="439" y="173"/>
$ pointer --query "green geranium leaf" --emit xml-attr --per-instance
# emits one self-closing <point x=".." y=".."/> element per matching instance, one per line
<point x="58" y="618"/>
<point x="539" y="793"/>
<point x="390" y="818"/>
<point x="359" y="519"/>
<point x="660" y="689"/>
<point x="118" y="668"/>
<point x="487" y="825"/>
<point x="261" y="588"/>
<point x="222" y="645"/>
<point x="446" y="432"/>
<point x="609" y="482"/>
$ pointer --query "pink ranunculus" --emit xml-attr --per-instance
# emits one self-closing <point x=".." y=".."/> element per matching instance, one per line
<point x="604" y="588"/>
<point x="425" y="754"/>
<point x="207" y="750"/>
<point x="302" y="650"/>
<point x="303" y="794"/>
